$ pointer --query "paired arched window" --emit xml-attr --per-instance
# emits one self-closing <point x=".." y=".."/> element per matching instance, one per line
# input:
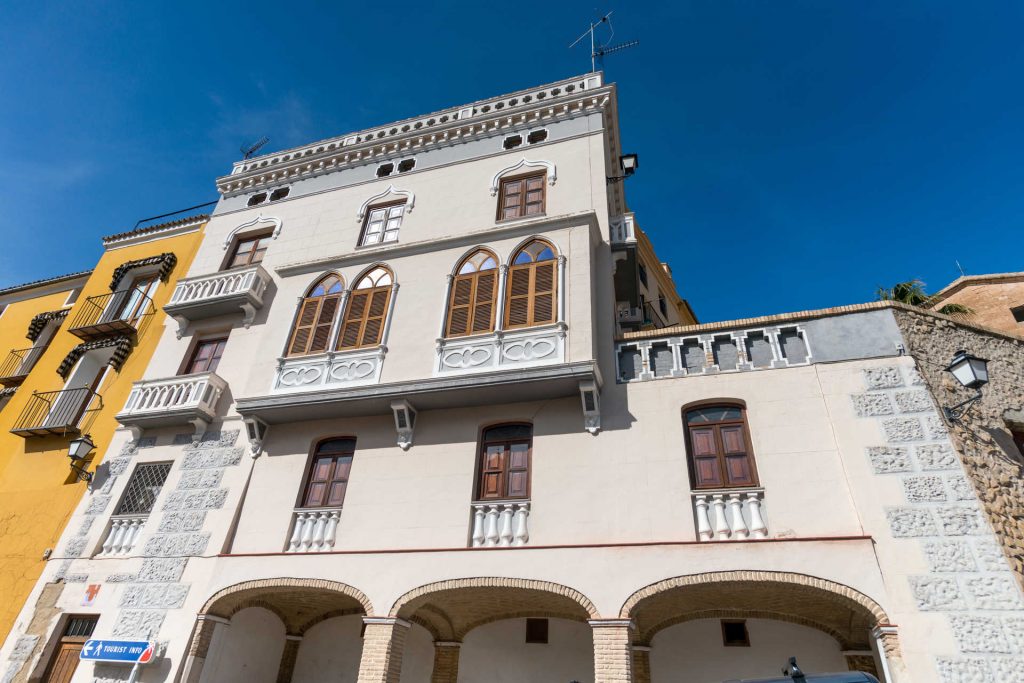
<point x="364" y="315"/>
<point x="473" y="295"/>
<point x="327" y="480"/>
<point x="718" y="446"/>
<point x="504" y="468"/>
<point x="312" y="331"/>
<point x="531" y="297"/>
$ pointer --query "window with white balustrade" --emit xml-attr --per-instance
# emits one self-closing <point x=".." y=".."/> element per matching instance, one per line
<point x="327" y="480"/>
<point x="504" y="472"/>
<point x="136" y="504"/>
<point x="718" y="446"/>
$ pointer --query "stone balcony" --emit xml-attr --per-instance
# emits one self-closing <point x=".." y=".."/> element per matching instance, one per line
<point x="334" y="369"/>
<point x="314" y="530"/>
<point x="730" y="514"/>
<point x="186" y="399"/>
<point x="206" y="296"/>
<point x="123" y="535"/>
<point x="500" y="524"/>
<point x="503" y="350"/>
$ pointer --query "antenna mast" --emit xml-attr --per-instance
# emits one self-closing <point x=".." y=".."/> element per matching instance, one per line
<point x="248" y="150"/>
<point x="599" y="51"/>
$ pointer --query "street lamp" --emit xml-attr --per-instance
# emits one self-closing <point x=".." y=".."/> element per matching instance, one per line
<point x="972" y="373"/>
<point x="628" y="163"/>
<point x="78" y="449"/>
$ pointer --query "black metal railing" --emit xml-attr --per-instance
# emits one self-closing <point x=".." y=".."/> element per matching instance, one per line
<point x="69" y="411"/>
<point x="120" y="312"/>
<point x="18" y="363"/>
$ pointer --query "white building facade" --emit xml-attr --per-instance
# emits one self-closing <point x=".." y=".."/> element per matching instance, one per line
<point x="410" y="425"/>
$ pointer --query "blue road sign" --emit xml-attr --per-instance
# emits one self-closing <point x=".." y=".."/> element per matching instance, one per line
<point x="126" y="651"/>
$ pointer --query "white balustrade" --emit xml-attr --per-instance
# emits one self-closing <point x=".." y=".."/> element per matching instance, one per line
<point x="123" y="534"/>
<point x="622" y="231"/>
<point x="730" y="514"/>
<point x="501" y="350"/>
<point x="334" y="369"/>
<point x="501" y="524"/>
<point x="223" y="284"/>
<point x="199" y="393"/>
<point x="314" y="530"/>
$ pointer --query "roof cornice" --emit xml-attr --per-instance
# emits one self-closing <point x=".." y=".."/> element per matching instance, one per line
<point x="161" y="231"/>
<point x="556" y="101"/>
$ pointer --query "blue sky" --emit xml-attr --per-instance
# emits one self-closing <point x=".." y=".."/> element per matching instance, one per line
<point x="793" y="155"/>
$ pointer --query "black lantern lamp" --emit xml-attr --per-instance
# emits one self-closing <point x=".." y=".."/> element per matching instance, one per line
<point x="78" y="449"/>
<point x="628" y="163"/>
<point x="971" y="372"/>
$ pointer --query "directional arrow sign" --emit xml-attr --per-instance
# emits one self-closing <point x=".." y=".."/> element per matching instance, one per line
<point x="126" y="651"/>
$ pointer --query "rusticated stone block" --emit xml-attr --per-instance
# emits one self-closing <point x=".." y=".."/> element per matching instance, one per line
<point x="76" y="578"/>
<point x="936" y="456"/>
<point x="867" y="405"/>
<point x="936" y="593"/>
<point x="162" y="570"/>
<point x="959" y="487"/>
<point x="883" y="378"/>
<point x="117" y="466"/>
<point x="121" y="578"/>
<point x="907" y="522"/>
<point x="23" y="647"/>
<point x="141" y="624"/>
<point x="1007" y="669"/>
<point x="215" y="457"/>
<point x="1014" y="627"/>
<point x="173" y="522"/>
<point x="921" y="489"/>
<point x="979" y="634"/>
<point x="960" y="520"/>
<point x="964" y="670"/>
<point x="916" y="401"/>
<point x="887" y="459"/>
<point x="97" y="505"/>
<point x="201" y="479"/>
<point x="211" y="439"/>
<point x="75" y="547"/>
<point x="936" y="427"/>
<point x="994" y="592"/>
<point x="949" y="556"/>
<point x="990" y="556"/>
<point x="176" y="545"/>
<point x="914" y="377"/>
<point x="154" y="596"/>
<point x="903" y="429"/>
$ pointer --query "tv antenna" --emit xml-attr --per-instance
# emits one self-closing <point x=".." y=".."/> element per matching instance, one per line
<point x="597" y="52"/>
<point x="248" y="151"/>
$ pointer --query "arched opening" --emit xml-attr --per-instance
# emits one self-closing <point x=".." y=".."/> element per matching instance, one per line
<point x="473" y="298"/>
<point x="735" y="625"/>
<point x="311" y="332"/>
<point x="531" y="297"/>
<point x="367" y="309"/>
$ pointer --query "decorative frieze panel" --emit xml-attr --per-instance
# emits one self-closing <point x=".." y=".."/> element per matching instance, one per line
<point x="740" y="351"/>
<point x="501" y="350"/>
<point x="330" y="370"/>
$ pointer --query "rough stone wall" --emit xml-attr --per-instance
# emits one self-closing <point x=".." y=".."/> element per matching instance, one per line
<point x="980" y="436"/>
<point x="969" y="580"/>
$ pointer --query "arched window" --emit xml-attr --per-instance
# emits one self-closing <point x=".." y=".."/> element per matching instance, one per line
<point x="532" y="286"/>
<point x="718" y="444"/>
<point x="505" y="462"/>
<point x="474" y="289"/>
<point x="367" y="308"/>
<point x="312" y="331"/>
<point x="328" y="473"/>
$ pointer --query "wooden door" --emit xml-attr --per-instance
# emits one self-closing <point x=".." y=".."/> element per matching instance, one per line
<point x="65" y="661"/>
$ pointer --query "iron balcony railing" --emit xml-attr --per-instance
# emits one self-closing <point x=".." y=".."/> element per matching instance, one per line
<point x="69" y="411"/>
<point x="18" y="363"/>
<point x="123" y="312"/>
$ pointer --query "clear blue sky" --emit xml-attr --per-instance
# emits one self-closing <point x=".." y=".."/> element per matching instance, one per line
<point x="793" y="155"/>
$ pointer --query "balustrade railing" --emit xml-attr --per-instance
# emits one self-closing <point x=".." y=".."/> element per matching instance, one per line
<point x="18" y="364"/>
<point x="123" y="534"/>
<point x="730" y="514"/>
<point x="68" y="411"/>
<point x="120" y="312"/>
<point x="314" y="530"/>
<point x="501" y="524"/>
<point x="219" y="293"/>
<point x="199" y="392"/>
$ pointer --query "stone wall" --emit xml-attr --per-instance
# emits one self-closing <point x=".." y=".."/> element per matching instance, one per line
<point x="981" y="436"/>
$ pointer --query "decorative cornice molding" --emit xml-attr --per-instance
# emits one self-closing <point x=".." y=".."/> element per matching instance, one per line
<point x="410" y="200"/>
<point x="556" y="101"/>
<point x="259" y="220"/>
<point x="524" y="163"/>
<point x="162" y="231"/>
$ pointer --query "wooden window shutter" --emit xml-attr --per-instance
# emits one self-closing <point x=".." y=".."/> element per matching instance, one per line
<point x="532" y="294"/>
<point x="378" y="308"/>
<point x="304" y="326"/>
<point x="719" y="450"/>
<point x="519" y="296"/>
<point x="543" y="293"/>
<point x="364" y="320"/>
<point x="460" y="305"/>
<point x="351" y="327"/>
<point x="483" y="301"/>
<point x="324" y="322"/>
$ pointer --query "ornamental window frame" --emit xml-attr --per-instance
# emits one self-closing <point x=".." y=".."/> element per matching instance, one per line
<point x="368" y="220"/>
<point x="531" y="268"/>
<point x="473" y="304"/>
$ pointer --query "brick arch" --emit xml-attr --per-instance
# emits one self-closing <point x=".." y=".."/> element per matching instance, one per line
<point x="265" y="586"/>
<point x="497" y="583"/>
<point x="742" y="614"/>
<point x="838" y="610"/>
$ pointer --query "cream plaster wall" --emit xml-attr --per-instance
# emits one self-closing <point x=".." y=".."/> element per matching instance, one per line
<point x="499" y="653"/>
<point x="330" y="651"/>
<point x="248" y="650"/>
<point x="693" y="652"/>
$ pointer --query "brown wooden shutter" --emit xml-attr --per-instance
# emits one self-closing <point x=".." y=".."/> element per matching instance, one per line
<point x="460" y="305"/>
<point x="483" y="301"/>
<point x="734" y="454"/>
<point x="492" y="473"/>
<point x="511" y="198"/>
<point x="518" y="314"/>
<point x="543" y="293"/>
<point x="705" y="457"/>
<point x="350" y="329"/>
<point x="376" y="311"/>
<point x="534" y="204"/>
<point x="324" y="323"/>
<point x="518" y="476"/>
<point x="304" y="327"/>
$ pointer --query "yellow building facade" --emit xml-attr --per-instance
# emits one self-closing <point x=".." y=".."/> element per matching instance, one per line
<point x="71" y="347"/>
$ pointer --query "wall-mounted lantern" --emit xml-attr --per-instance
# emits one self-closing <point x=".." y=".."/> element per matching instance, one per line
<point x="972" y="373"/>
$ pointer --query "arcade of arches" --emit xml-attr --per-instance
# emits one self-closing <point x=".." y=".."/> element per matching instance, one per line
<point x="475" y="631"/>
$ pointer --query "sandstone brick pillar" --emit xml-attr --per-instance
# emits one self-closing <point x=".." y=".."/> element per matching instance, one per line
<point x="288" y="658"/>
<point x="446" y="662"/>
<point x="206" y="626"/>
<point x="613" y="659"/>
<point x="891" y="659"/>
<point x="383" y="644"/>
<point x="642" y="664"/>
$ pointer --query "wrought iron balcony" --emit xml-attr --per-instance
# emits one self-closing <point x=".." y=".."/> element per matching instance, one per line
<point x="126" y="311"/>
<point x="206" y="296"/>
<point x="186" y="399"/>
<point x="65" y="412"/>
<point x="18" y="363"/>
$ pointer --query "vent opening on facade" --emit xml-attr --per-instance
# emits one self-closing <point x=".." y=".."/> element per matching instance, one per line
<point x="406" y="165"/>
<point x="279" y="193"/>
<point x="734" y="633"/>
<point x="537" y="631"/>
<point x="513" y="141"/>
<point x="537" y="136"/>
<point x="384" y="170"/>
<point x="258" y="198"/>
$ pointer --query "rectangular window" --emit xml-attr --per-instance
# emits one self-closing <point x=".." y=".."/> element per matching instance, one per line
<point x="382" y="224"/>
<point x="72" y="297"/>
<point x="537" y="631"/>
<point x="248" y="250"/>
<point x="719" y="450"/>
<point x="643" y="274"/>
<point x="505" y="463"/>
<point x="143" y="488"/>
<point x="328" y="474"/>
<point x="206" y="355"/>
<point x="522" y="196"/>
